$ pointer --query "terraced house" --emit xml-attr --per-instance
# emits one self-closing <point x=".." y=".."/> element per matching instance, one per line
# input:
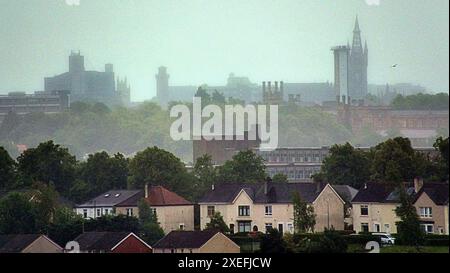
<point x="374" y="207"/>
<point x="260" y="207"/>
<point x="173" y="211"/>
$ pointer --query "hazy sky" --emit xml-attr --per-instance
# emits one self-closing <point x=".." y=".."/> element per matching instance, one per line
<point x="204" y="40"/>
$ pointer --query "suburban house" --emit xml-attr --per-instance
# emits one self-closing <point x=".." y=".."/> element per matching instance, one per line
<point x="431" y="202"/>
<point x="107" y="203"/>
<point x="374" y="208"/>
<point x="28" y="243"/>
<point x="263" y="206"/>
<point x="196" y="242"/>
<point x="112" y="242"/>
<point x="375" y="204"/>
<point x="173" y="211"/>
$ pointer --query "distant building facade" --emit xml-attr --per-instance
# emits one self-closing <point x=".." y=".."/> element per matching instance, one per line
<point x="273" y="95"/>
<point x="46" y="102"/>
<point x="243" y="89"/>
<point x="300" y="163"/>
<point x="91" y="86"/>
<point x="223" y="150"/>
<point x="418" y="125"/>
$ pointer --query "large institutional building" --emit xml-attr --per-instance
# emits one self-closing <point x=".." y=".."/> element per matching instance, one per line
<point x="91" y="86"/>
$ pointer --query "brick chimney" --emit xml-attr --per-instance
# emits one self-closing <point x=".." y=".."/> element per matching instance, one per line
<point x="418" y="184"/>
<point x="146" y="190"/>
<point x="319" y="185"/>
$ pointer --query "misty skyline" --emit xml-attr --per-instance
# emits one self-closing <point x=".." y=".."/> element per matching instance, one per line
<point x="202" y="41"/>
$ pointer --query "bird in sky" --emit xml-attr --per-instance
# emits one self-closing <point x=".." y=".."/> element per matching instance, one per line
<point x="394" y="65"/>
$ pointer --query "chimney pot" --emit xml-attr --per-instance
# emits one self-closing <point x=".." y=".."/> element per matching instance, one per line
<point x="146" y="190"/>
<point x="418" y="184"/>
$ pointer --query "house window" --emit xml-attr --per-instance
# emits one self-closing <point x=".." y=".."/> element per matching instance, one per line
<point x="245" y="226"/>
<point x="290" y="228"/>
<point x="153" y="211"/>
<point x="426" y="212"/>
<point x="364" y="210"/>
<point x="269" y="227"/>
<point x="99" y="212"/>
<point x="130" y="212"/>
<point x="268" y="210"/>
<point x="364" y="227"/>
<point x="211" y="211"/>
<point x="377" y="227"/>
<point x="85" y="213"/>
<point x="244" y="210"/>
<point x="427" y="228"/>
<point x="182" y="227"/>
<point x="232" y="228"/>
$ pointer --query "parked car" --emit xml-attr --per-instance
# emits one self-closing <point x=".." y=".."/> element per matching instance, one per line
<point x="385" y="238"/>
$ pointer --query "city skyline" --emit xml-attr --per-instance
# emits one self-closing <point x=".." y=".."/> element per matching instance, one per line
<point x="277" y="51"/>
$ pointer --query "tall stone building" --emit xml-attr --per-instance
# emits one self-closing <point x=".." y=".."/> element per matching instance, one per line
<point x="91" y="86"/>
<point x="273" y="95"/>
<point x="358" y="62"/>
<point x="162" y="86"/>
<point x="124" y="90"/>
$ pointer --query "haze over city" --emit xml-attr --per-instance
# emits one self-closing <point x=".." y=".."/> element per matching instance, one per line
<point x="203" y="41"/>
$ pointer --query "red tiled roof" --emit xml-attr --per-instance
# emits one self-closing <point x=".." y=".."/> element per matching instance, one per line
<point x="160" y="196"/>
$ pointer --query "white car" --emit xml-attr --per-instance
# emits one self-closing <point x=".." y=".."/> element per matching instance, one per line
<point x="385" y="238"/>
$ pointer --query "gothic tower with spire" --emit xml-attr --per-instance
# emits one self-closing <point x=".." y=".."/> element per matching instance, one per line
<point x="358" y="62"/>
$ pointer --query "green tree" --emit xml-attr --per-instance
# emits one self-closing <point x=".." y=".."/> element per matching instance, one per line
<point x="441" y="145"/>
<point x="48" y="163"/>
<point x="396" y="161"/>
<point x="280" y="178"/>
<point x="273" y="242"/>
<point x="45" y="200"/>
<point x="151" y="231"/>
<point x="421" y="102"/>
<point x="204" y="95"/>
<point x="332" y="242"/>
<point x="346" y="165"/>
<point x="245" y="167"/>
<point x="205" y="174"/>
<point x="304" y="216"/>
<point x="157" y="167"/>
<point x="408" y="229"/>
<point x="217" y="223"/>
<point x="66" y="226"/>
<point x="8" y="170"/>
<point x="17" y="215"/>
<point x="102" y="172"/>
<point x="218" y="98"/>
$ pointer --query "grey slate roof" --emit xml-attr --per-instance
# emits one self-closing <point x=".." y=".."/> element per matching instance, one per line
<point x="379" y="193"/>
<point x="16" y="243"/>
<point x="276" y="192"/>
<point x="438" y="192"/>
<point x="347" y="193"/>
<point x="185" y="239"/>
<point x="100" y="241"/>
<point x="110" y="198"/>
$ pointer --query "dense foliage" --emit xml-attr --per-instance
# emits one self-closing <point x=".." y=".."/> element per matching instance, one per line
<point x="421" y="102"/>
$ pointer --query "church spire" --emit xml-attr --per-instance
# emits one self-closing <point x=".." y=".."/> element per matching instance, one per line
<point x="357" y="25"/>
<point x="357" y="43"/>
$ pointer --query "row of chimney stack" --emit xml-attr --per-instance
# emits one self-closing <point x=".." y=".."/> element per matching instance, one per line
<point x="279" y="86"/>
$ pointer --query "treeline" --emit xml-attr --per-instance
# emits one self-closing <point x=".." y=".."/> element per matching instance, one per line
<point x="421" y="101"/>
<point x="394" y="161"/>
<point x="89" y="128"/>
